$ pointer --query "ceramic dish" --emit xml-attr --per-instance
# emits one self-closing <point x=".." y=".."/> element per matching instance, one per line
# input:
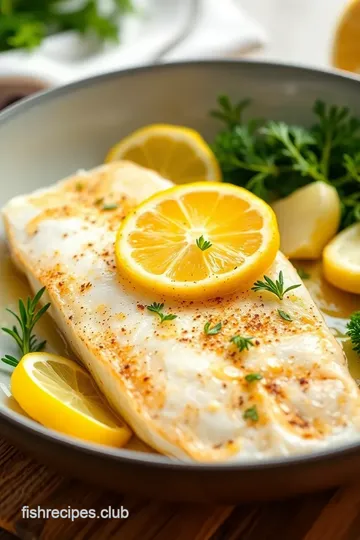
<point x="50" y="136"/>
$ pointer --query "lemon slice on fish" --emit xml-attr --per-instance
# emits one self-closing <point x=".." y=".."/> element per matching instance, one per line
<point x="61" y="395"/>
<point x="197" y="240"/>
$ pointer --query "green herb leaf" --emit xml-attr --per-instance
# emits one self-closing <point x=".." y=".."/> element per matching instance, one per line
<point x="79" y="186"/>
<point x="108" y="207"/>
<point x="25" y="24"/>
<point x="212" y="331"/>
<point x="284" y="315"/>
<point x="274" y="159"/>
<point x="303" y="274"/>
<point x="158" y="308"/>
<point x="274" y="287"/>
<point x="27" y="318"/>
<point x="353" y="331"/>
<point x="251" y="414"/>
<point x="242" y="343"/>
<point x="202" y="243"/>
<point x="251" y="377"/>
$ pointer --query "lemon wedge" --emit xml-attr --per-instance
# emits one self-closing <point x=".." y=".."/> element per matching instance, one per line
<point x="346" y="46"/>
<point x="177" y="153"/>
<point x="341" y="260"/>
<point x="62" y="396"/>
<point x="308" y="219"/>
<point x="197" y="240"/>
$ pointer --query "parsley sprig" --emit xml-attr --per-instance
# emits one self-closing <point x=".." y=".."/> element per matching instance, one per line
<point x="202" y="243"/>
<point x="212" y="331"/>
<point x="353" y="331"/>
<point x="242" y="343"/>
<point x="28" y="316"/>
<point x="158" y="308"/>
<point x="25" y="24"/>
<point x="273" y="159"/>
<point x="284" y="315"/>
<point x="251" y="377"/>
<point x="275" y="287"/>
<point x="251" y="414"/>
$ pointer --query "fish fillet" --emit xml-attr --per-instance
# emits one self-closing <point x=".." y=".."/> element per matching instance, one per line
<point x="183" y="392"/>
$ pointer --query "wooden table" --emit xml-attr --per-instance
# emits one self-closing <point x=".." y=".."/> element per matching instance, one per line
<point x="331" y="515"/>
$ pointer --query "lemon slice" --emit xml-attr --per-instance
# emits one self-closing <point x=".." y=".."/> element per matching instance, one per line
<point x="341" y="260"/>
<point x="346" y="47"/>
<point x="61" y="395"/>
<point x="175" y="152"/>
<point x="308" y="219"/>
<point x="198" y="240"/>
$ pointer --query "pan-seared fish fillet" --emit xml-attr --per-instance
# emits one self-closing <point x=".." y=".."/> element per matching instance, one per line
<point x="183" y="392"/>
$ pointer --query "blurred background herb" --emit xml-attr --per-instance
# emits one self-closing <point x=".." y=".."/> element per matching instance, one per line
<point x="25" y="23"/>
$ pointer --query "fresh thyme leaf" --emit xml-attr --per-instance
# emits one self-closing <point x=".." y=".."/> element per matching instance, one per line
<point x="158" y="308"/>
<point x="29" y="315"/>
<point x="275" y="287"/>
<point x="284" y="315"/>
<point x="251" y="414"/>
<point x="212" y="331"/>
<point x="303" y="274"/>
<point x="108" y="207"/>
<point x="353" y="331"/>
<point x="202" y="243"/>
<point x="242" y="343"/>
<point x="273" y="159"/>
<point x="251" y="377"/>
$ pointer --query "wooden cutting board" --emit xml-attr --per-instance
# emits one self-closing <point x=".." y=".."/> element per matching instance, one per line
<point x="331" y="515"/>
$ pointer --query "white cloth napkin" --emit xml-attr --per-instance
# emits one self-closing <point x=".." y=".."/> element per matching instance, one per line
<point x="220" y="28"/>
<point x="160" y="31"/>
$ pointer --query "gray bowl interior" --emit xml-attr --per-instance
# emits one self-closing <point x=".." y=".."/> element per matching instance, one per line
<point x="47" y="138"/>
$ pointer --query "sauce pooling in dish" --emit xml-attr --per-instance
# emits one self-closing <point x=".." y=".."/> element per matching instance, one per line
<point x="336" y="307"/>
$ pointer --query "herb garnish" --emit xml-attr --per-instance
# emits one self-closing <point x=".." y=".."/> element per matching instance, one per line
<point x="284" y="315"/>
<point x="275" y="287"/>
<point x="157" y="308"/>
<point x="251" y="414"/>
<point x="242" y="343"/>
<point x="25" y="24"/>
<point x="202" y="243"/>
<point x="212" y="331"/>
<point x="79" y="186"/>
<point x="303" y="274"/>
<point x="111" y="206"/>
<point x="353" y="331"/>
<point x="251" y="377"/>
<point x="27" y="318"/>
<point x="273" y="159"/>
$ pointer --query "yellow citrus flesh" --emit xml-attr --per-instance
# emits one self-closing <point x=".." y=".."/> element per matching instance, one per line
<point x="156" y="244"/>
<point x="62" y="396"/>
<point x="346" y="48"/>
<point x="308" y="219"/>
<point x="341" y="260"/>
<point x="175" y="152"/>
